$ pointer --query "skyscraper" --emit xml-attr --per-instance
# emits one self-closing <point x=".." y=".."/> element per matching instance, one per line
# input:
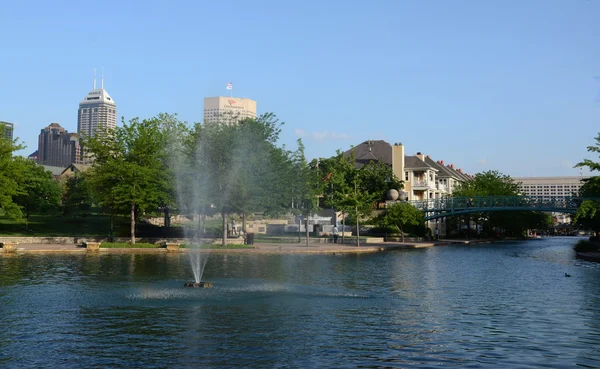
<point x="228" y="109"/>
<point x="96" y="110"/>
<point x="57" y="147"/>
<point x="8" y="130"/>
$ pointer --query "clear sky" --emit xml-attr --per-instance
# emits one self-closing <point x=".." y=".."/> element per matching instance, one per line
<point x="510" y="85"/>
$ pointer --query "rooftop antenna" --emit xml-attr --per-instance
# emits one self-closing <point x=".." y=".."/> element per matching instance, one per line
<point x="102" y="83"/>
<point x="94" y="78"/>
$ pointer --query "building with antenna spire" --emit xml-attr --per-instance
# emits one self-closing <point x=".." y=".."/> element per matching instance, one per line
<point x="96" y="111"/>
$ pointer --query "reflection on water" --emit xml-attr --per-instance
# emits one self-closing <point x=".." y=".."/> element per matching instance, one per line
<point x="501" y="305"/>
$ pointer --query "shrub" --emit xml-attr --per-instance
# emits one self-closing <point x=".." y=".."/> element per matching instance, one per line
<point x="587" y="245"/>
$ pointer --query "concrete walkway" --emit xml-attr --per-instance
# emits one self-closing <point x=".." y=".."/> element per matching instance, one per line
<point x="271" y="248"/>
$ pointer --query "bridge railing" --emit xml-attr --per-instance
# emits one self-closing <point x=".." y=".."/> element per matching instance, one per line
<point x="496" y="202"/>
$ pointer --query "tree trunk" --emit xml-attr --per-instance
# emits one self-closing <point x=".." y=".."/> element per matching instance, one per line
<point x="132" y="223"/>
<point x="167" y="221"/>
<point x="357" y="230"/>
<point x="306" y="226"/>
<point x="299" y="229"/>
<point x="203" y="223"/>
<point x="244" y="223"/>
<point x="112" y="227"/>
<point x="224" y="219"/>
<point x="401" y="234"/>
<point x="343" y="225"/>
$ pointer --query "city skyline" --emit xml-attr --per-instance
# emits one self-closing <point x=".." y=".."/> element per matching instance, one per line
<point x="494" y="85"/>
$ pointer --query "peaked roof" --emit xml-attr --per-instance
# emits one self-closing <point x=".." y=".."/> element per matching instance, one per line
<point x="443" y="171"/>
<point x="413" y="162"/>
<point x="54" y="170"/>
<point x="371" y="150"/>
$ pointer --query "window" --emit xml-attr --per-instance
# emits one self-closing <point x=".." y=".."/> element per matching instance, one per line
<point x="406" y="176"/>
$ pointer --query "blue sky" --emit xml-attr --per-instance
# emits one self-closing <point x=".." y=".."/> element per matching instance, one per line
<point x="508" y="85"/>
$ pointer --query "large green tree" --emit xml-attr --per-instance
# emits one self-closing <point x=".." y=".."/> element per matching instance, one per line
<point x="401" y="215"/>
<point x="494" y="183"/>
<point x="588" y="214"/>
<point x="237" y="167"/>
<point x="77" y="195"/>
<point x="130" y="174"/>
<point x="38" y="192"/>
<point x="8" y="171"/>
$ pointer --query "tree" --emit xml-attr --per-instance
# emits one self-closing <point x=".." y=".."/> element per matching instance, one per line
<point x="378" y="178"/>
<point x="588" y="213"/>
<point x="238" y="168"/>
<point x="77" y="195"/>
<point x="494" y="183"/>
<point x="8" y="170"/>
<point x="129" y="173"/>
<point x="401" y="215"/>
<point x="38" y="191"/>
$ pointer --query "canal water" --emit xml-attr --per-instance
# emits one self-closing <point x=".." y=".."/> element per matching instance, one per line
<point x="495" y="305"/>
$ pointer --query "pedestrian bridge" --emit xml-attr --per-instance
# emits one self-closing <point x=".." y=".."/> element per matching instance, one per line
<point x="452" y="206"/>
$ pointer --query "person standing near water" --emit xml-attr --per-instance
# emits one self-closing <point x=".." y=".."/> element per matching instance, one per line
<point x="335" y="233"/>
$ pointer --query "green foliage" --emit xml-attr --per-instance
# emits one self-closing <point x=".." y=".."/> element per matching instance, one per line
<point x="236" y="167"/>
<point x="588" y="214"/>
<point x="591" y="245"/>
<point x="130" y="172"/>
<point x="38" y="191"/>
<point x="77" y="196"/>
<point x="510" y="223"/>
<point x="8" y="173"/>
<point x="401" y="215"/>
<point x="304" y="186"/>
<point x="378" y="178"/>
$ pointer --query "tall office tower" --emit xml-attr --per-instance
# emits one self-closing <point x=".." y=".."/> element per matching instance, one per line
<point x="97" y="110"/>
<point x="8" y="130"/>
<point x="57" y="147"/>
<point x="228" y="110"/>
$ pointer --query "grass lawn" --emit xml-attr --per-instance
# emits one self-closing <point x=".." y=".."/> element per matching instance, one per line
<point x="57" y="225"/>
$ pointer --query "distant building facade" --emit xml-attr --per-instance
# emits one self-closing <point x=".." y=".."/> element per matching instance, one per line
<point x="57" y="147"/>
<point x="8" y="130"/>
<point x="228" y="110"/>
<point x="551" y="187"/>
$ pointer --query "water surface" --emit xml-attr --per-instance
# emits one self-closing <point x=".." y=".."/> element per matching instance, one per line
<point x="497" y="305"/>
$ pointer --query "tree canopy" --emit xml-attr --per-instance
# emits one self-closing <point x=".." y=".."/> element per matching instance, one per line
<point x="494" y="183"/>
<point x="588" y="214"/>
<point x="129" y="173"/>
<point x="9" y="187"/>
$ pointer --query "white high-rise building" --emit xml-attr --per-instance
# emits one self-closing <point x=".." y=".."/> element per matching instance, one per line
<point x="96" y="110"/>
<point x="551" y="187"/>
<point x="223" y="109"/>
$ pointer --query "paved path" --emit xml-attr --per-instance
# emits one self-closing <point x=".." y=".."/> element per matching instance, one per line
<point x="313" y="248"/>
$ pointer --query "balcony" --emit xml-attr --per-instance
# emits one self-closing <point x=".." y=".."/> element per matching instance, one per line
<point x="422" y="185"/>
